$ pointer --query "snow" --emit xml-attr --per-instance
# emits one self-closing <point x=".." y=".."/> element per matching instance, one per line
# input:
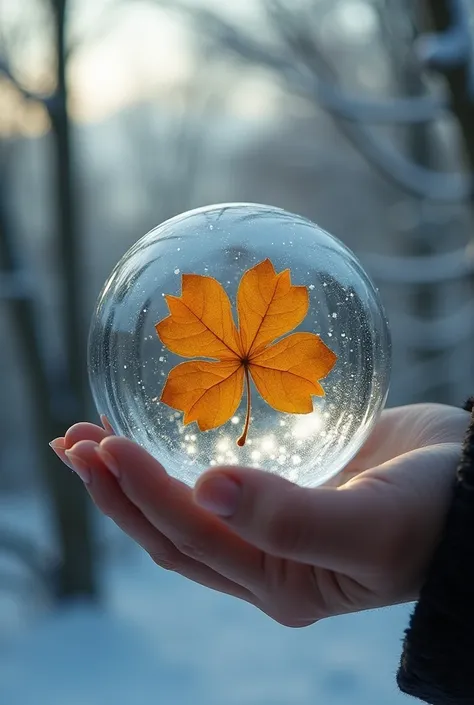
<point x="156" y="638"/>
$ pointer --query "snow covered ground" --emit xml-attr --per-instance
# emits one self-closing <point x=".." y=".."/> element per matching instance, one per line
<point x="159" y="639"/>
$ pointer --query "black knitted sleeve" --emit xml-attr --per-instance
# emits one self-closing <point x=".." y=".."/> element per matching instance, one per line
<point x="437" y="663"/>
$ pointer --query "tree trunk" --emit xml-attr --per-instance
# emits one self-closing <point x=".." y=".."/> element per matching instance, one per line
<point x="74" y="574"/>
<point x="459" y="77"/>
<point x="70" y="501"/>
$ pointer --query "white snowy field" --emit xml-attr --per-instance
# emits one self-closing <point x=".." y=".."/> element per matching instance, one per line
<point x="159" y="639"/>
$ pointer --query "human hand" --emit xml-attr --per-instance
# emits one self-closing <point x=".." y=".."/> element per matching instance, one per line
<point x="297" y="554"/>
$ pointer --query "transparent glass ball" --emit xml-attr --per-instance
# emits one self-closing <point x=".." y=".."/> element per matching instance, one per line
<point x="129" y="365"/>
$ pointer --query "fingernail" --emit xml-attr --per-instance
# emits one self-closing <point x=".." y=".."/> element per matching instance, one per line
<point x="79" y="467"/>
<point x="59" y="447"/>
<point x="219" y="495"/>
<point x="108" y="460"/>
<point x="106" y="424"/>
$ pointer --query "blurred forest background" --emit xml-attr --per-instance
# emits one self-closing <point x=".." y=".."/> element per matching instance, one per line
<point x="117" y="114"/>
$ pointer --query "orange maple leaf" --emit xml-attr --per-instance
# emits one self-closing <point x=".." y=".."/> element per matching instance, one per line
<point x="200" y="324"/>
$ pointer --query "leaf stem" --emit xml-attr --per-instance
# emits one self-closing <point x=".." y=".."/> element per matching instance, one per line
<point x="243" y="437"/>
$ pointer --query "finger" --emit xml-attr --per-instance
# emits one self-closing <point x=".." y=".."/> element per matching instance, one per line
<point x="168" y="505"/>
<point x="59" y="447"/>
<point x="84" y="431"/>
<point x="331" y="528"/>
<point x="110" y="499"/>
<point x="79" y="432"/>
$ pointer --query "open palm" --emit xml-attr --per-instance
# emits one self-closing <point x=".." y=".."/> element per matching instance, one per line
<point x="297" y="554"/>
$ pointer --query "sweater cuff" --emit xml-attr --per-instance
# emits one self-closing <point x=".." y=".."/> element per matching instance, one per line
<point x="437" y="663"/>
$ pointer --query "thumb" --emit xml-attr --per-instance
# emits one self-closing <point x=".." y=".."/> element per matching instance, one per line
<point x="336" y="529"/>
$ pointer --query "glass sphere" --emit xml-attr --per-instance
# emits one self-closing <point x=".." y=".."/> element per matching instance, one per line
<point x="129" y="364"/>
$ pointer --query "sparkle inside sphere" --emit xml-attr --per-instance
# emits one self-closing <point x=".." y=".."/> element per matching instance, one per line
<point x="129" y="364"/>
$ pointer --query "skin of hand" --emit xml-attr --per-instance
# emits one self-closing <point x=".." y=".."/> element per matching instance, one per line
<point x="299" y="555"/>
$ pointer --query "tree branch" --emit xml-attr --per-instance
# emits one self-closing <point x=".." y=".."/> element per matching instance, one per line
<point x="450" y="51"/>
<point x="411" y="177"/>
<point x="351" y="115"/>
<point x="418" y="179"/>
<point x="437" y="268"/>
<point x="329" y="97"/>
<point x="436" y="334"/>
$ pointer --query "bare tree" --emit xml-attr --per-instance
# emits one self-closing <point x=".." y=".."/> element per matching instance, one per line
<point x="57" y="386"/>
<point x="423" y="38"/>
